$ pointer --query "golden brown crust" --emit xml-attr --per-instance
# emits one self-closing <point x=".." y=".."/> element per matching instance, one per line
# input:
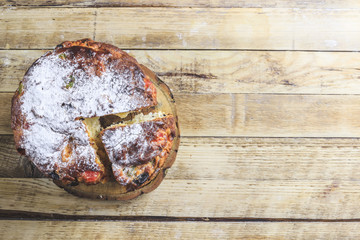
<point x="97" y="46"/>
<point x="101" y="49"/>
<point x="106" y="54"/>
<point x="17" y="122"/>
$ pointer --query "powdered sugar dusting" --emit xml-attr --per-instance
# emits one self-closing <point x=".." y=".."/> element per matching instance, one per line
<point x="117" y="170"/>
<point x="135" y="144"/>
<point x="57" y="92"/>
<point x="119" y="139"/>
<point x="136" y="150"/>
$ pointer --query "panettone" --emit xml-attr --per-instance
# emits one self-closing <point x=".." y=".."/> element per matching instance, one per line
<point x="87" y="112"/>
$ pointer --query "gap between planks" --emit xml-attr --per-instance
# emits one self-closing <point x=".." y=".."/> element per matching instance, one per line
<point x="24" y="215"/>
<point x="176" y="230"/>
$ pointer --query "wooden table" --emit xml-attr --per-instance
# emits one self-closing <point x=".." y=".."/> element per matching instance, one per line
<point x="269" y="108"/>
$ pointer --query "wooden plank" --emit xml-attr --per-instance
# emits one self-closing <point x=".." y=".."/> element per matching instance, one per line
<point x="239" y="159"/>
<point x="187" y="3"/>
<point x="5" y="113"/>
<point x="227" y="71"/>
<point x="21" y="229"/>
<point x="303" y="199"/>
<point x="289" y="29"/>
<point x="255" y="71"/>
<point x="39" y="28"/>
<point x="9" y="162"/>
<point x="255" y="115"/>
<point x="185" y="28"/>
<point x="299" y="115"/>
<point x="269" y="115"/>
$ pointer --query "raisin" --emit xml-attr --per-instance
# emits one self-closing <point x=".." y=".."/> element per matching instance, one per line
<point x="54" y="175"/>
<point x="21" y="151"/>
<point x="74" y="183"/>
<point x="141" y="179"/>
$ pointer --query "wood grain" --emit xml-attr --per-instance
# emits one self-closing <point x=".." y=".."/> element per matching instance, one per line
<point x="176" y="230"/>
<point x="254" y="115"/>
<point x="35" y="28"/>
<point x="303" y="199"/>
<point x="255" y="71"/>
<point x="9" y="163"/>
<point x="187" y="3"/>
<point x="239" y="159"/>
<point x="5" y="113"/>
<point x="185" y="28"/>
<point x="289" y="29"/>
<point x="227" y="71"/>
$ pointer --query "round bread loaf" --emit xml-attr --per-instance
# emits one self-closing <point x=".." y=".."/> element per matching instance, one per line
<point x="73" y="97"/>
